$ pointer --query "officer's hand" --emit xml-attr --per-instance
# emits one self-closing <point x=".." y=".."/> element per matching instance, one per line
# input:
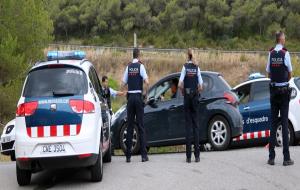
<point x="200" y="88"/>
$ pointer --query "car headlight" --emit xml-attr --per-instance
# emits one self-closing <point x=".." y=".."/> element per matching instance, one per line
<point x="293" y="93"/>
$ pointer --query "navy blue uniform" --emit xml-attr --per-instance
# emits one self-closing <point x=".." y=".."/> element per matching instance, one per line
<point x="134" y="76"/>
<point x="280" y="97"/>
<point x="191" y="78"/>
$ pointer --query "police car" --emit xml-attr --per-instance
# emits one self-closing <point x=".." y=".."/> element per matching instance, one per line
<point x="255" y="108"/>
<point x="62" y="120"/>
<point x="8" y="140"/>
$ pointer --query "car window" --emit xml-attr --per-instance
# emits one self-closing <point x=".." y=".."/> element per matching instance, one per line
<point x="63" y="80"/>
<point x="207" y="83"/>
<point x="297" y="82"/>
<point x="166" y="90"/>
<point x="95" y="81"/>
<point x="260" y="91"/>
<point x="243" y="93"/>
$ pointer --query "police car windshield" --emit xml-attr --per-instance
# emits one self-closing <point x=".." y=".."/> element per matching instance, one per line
<point x="55" y="81"/>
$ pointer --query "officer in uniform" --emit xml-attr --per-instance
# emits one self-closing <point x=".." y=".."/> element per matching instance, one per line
<point x="190" y="82"/>
<point x="109" y="92"/>
<point x="134" y="76"/>
<point x="279" y="70"/>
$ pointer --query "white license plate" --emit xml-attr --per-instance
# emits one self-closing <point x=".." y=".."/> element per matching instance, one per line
<point x="53" y="148"/>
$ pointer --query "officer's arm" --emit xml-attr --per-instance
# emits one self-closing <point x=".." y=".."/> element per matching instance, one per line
<point x="145" y="78"/>
<point x="125" y="79"/>
<point x="200" y="81"/>
<point x="268" y="67"/>
<point x="288" y="64"/>
<point x="181" y="78"/>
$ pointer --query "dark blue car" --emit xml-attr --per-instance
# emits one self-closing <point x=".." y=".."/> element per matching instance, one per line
<point x="220" y="120"/>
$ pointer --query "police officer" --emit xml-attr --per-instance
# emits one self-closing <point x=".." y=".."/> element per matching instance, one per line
<point x="190" y="82"/>
<point x="109" y="92"/>
<point x="134" y="76"/>
<point x="279" y="70"/>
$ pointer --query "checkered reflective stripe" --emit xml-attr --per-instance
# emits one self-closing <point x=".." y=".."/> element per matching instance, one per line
<point x="253" y="135"/>
<point x="53" y="131"/>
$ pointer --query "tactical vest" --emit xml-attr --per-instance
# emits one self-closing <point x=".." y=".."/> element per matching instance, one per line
<point x="106" y="95"/>
<point x="191" y="78"/>
<point x="278" y="69"/>
<point x="135" y="80"/>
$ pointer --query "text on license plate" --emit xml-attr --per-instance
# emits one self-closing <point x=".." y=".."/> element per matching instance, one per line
<point x="53" y="148"/>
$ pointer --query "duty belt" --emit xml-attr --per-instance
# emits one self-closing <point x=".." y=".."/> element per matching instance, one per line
<point x="189" y="91"/>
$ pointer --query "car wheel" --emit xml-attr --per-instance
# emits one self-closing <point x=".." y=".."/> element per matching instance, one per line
<point x="13" y="156"/>
<point x="135" y="139"/>
<point x="107" y="156"/>
<point x="23" y="176"/>
<point x="97" y="169"/>
<point x="219" y="133"/>
<point x="279" y="141"/>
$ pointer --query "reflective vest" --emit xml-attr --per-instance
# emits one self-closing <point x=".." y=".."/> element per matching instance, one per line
<point x="278" y="69"/>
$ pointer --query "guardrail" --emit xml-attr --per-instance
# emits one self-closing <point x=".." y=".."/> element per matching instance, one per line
<point x="74" y="46"/>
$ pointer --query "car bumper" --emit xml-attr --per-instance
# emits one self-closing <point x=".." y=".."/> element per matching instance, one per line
<point x="36" y="164"/>
<point x="297" y="135"/>
<point x="7" y="148"/>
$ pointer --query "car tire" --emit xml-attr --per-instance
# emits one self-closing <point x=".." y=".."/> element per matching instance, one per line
<point x="135" y="141"/>
<point x="107" y="156"/>
<point x="23" y="176"/>
<point x="219" y="134"/>
<point x="13" y="156"/>
<point x="279" y="135"/>
<point x="97" y="169"/>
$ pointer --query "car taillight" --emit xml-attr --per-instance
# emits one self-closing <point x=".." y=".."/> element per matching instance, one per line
<point x="230" y="98"/>
<point x="82" y="106"/>
<point x="26" y="109"/>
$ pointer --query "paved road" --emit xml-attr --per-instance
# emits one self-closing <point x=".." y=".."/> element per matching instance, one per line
<point x="238" y="169"/>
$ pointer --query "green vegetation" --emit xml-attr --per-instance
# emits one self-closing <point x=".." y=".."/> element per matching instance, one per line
<point x="25" y="30"/>
<point x="227" y="24"/>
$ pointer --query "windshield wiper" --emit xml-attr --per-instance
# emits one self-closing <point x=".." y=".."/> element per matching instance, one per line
<point x="58" y="93"/>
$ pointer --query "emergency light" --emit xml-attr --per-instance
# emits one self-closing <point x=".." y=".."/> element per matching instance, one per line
<point x="256" y="76"/>
<point x="65" y="55"/>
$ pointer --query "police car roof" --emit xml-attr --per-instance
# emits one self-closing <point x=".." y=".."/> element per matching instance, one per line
<point x="83" y="64"/>
<point x="251" y="81"/>
<point x="202" y="72"/>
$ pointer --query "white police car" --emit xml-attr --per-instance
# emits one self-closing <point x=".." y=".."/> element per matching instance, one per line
<point x="255" y="108"/>
<point x="61" y="119"/>
<point x="8" y="140"/>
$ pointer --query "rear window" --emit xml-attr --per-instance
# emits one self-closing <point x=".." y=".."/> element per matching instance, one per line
<point x="222" y="84"/>
<point x="297" y="82"/>
<point x="49" y="81"/>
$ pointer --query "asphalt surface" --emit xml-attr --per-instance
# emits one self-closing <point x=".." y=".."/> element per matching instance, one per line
<point x="238" y="169"/>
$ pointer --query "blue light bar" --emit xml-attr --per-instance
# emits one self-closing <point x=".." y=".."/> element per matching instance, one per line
<point x="65" y="55"/>
<point x="256" y="76"/>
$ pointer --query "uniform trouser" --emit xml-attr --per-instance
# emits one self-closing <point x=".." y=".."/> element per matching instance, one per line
<point x="191" y="104"/>
<point x="135" y="115"/>
<point x="279" y="103"/>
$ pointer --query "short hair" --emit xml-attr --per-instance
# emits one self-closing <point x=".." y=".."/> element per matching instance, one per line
<point x="104" y="78"/>
<point x="190" y="54"/>
<point x="136" y="53"/>
<point x="278" y="35"/>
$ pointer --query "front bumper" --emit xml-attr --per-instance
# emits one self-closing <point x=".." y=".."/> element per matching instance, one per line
<point x="36" y="164"/>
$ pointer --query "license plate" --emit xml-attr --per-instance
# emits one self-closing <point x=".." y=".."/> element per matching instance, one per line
<point x="53" y="148"/>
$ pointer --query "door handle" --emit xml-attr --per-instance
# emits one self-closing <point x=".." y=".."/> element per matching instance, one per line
<point x="246" y="108"/>
<point x="172" y="107"/>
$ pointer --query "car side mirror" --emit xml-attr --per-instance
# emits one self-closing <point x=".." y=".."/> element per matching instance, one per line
<point x="151" y="102"/>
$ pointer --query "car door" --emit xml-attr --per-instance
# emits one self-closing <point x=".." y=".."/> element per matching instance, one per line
<point x="156" y="115"/>
<point x="243" y="92"/>
<point x="176" y="112"/>
<point x="259" y="107"/>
